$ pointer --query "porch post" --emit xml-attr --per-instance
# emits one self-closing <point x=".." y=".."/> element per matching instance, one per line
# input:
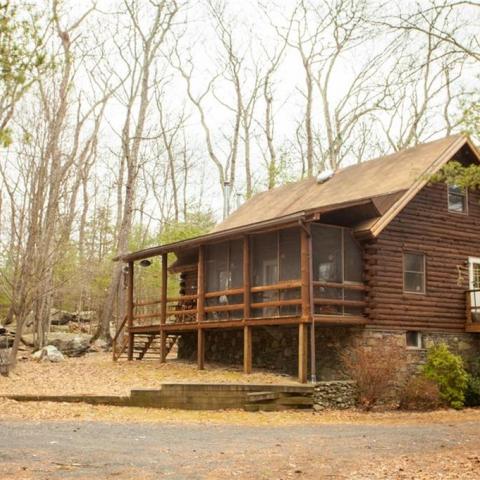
<point x="302" y="352"/>
<point x="130" y="310"/>
<point x="247" y="330"/>
<point x="163" y="309"/>
<point x="305" y="267"/>
<point x="247" y="349"/>
<point x="201" y="308"/>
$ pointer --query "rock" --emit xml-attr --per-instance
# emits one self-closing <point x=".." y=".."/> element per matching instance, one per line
<point x="71" y="346"/>
<point x="99" y="346"/>
<point x="49" y="353"/>
<point x="60" y="317"/>
<point x="84" y="316"/>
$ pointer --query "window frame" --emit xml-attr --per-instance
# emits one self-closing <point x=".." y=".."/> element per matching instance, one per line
<point x="404" y="271"/>
<point x="419" y="338"/>
<point x="465" y="196"/>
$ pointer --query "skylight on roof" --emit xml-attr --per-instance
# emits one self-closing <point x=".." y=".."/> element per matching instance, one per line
<point x="325" y="175"/>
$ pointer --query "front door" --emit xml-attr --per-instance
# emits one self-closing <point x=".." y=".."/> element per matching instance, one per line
<point x="474" y="286"/>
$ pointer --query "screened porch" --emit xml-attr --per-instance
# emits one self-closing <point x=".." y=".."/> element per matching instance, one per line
<point x="304" y="271"/>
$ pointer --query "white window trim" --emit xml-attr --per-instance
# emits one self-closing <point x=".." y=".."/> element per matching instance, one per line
<point x="419" y="336"/>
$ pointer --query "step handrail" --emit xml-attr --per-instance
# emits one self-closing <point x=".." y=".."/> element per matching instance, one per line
<point x="120" y="329"/>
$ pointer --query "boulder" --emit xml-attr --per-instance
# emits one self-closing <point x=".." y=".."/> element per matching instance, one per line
<point x="70" y="345"/>
<point x="84" y="316"/>
<point x="60" y="317"/>
<point x="99" y="346"/>
<point x="49" y="353"/>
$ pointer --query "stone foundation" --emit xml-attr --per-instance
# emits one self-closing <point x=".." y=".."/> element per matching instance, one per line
<point x="336" y="394"/>
<point x="276" y="348"/>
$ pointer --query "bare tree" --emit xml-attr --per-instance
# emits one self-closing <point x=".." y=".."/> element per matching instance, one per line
<point x="144" y="45"/>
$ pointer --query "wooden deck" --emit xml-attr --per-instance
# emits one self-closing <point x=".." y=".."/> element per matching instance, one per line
<point x="174" y="328"/>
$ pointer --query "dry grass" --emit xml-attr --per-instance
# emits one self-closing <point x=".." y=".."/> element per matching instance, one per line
<point x="49" y="411"/>
<point x="98" y="374"/>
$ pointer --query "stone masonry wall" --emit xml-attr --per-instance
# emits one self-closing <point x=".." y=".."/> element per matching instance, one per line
<point x="276" y="348"/>
<point x="336" y="394"/>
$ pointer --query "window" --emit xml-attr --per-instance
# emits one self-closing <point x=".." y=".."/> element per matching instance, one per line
<point x="413" y="339"/>
<point x="414" y="272"/>
<point x="223" y="264"/>
<point x="457" y="199"/>
<point x="337" y="259"/>
<point x="275" y="258"/>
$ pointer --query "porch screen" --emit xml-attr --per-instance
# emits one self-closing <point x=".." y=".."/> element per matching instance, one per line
<point x="337" y="264"/>
<point x="224" y="271"/>
<point x="223" y="266"/>
<point x="275" y="258"/>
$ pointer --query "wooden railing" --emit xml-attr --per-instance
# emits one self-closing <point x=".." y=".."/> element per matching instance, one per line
<point x="264" y="301"/>
<point x="117" y="349"/>
<point x="326" y="301"/>
<point x="472" y="307"/>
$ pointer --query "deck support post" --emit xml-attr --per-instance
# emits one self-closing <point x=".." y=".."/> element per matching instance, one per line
<point x="201" y="308"/>
<point x="163" y="346"/>
<point x="302" y="352"/>
<point x="247" y="331"/>
<point x="201" y="348"/>
<point x="163" y="308"/>
<point x="130" y="307"/>
<point x="247" y="349"/>
<point x="307" y="304"/>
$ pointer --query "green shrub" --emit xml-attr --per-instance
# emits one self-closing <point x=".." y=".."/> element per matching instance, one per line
<point x="420" y="393"/>
<point x="446" y="370"/>
<point x="472" y="394"/>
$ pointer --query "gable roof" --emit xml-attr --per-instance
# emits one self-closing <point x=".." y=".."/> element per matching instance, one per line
<point x="397" y="173"/>
<point x="387" y="184"/>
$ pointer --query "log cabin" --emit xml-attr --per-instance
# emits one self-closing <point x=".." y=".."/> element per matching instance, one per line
<point x="375" y="252"/>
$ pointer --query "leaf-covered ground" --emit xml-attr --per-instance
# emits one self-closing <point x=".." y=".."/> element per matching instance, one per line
<point x="45" y="440"/>
<point x="97" y="374"/>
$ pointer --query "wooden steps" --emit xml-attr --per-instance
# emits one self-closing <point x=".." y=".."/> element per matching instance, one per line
<point x="194" y="396"/>
<point x="274" y="401"/>
<point x="146" y="346"/>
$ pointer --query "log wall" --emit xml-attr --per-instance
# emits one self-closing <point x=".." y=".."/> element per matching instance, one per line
<point x="447" y="240"/>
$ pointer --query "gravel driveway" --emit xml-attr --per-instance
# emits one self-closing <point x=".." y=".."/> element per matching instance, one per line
<point x="48" y="450"/>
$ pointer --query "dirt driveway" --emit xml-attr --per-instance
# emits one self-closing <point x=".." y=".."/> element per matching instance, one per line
<point x="87" y="450"/>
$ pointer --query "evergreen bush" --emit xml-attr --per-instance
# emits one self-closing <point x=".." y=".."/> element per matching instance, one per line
<point x="447" y="371"/>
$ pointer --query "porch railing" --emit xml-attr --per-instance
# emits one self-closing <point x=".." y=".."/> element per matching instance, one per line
<point x="472" y="303"/>
<point x="266" y="301"/>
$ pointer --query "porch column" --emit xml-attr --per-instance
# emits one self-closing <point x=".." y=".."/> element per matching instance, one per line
<point x="163" y="309"/>
<point x="130" y="307"/>
<point x="247" y="330"/>
<point x="201" y="308"/>
<point x="302" y="352"/>
<point x="306" y="294"/>
<point x="247" y="349"/>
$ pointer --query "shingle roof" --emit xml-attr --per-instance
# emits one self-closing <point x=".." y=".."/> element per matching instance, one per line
<point x="375" y="178"/>
<point x="390" y="182"/>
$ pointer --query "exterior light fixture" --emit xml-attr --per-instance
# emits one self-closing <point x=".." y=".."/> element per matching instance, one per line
<point x="145" y="262"/>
